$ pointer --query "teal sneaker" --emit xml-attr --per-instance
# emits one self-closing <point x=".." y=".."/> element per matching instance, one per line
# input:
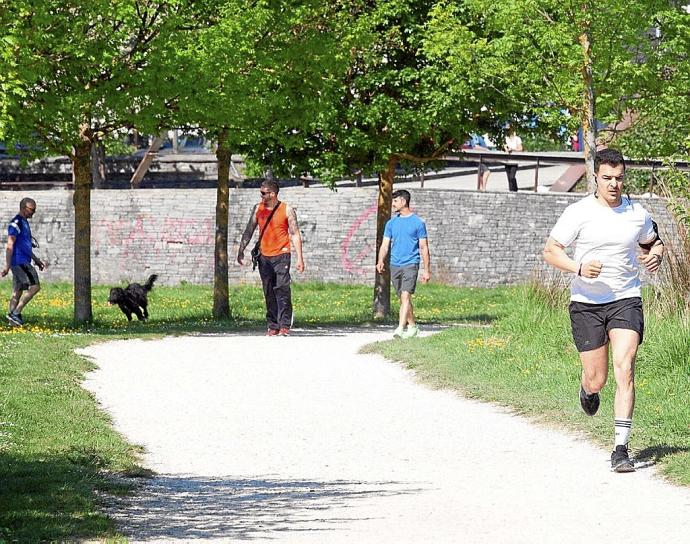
<point x="398" y="333"/>
<point x="411" y="332"/>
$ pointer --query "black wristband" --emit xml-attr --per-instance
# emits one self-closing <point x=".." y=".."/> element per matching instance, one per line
<point x="579" y="270"/>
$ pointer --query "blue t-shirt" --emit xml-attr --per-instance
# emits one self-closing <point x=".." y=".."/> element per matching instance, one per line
<point x="405" y="232"/>
<point x="19" y="228"/>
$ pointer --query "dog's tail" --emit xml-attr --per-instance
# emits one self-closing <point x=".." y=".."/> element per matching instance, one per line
<point x="149" y="282"/>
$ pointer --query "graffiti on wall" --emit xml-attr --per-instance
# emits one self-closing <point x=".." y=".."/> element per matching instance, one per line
<point x="351" y="261"/>
<point x="146" y="238"/>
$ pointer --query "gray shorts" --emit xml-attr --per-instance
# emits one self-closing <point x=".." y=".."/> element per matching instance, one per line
<point x="404" y="278"/>
<point x="24" y="276"/>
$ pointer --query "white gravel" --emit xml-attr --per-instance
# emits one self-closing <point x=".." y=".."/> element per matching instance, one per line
<point x="301" y="439"/>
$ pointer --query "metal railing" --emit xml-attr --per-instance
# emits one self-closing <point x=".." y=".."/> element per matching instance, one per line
<point x="555" y="157"/>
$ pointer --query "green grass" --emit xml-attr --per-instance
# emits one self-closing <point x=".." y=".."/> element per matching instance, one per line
<point x="526" y="361"/>
<point x="57" y="450"/>
<point x="54" y="443"/>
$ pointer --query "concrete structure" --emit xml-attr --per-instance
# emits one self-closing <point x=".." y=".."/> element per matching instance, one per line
<point x="477" y="239"/>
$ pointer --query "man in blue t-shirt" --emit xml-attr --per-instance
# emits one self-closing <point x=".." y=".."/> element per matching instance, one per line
<point x="18" y="257"/>
<point x="406" y="233"/>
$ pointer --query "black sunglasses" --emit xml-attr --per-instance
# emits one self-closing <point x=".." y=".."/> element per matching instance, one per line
<point x="265" y="192"/>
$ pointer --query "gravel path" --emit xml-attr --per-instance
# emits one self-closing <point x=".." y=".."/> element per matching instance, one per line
<point x="303" y="440"/>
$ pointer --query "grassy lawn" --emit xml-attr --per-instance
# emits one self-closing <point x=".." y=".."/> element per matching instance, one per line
<point x="57" y="451"/>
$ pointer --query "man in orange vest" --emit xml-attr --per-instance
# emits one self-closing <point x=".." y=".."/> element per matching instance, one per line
<point x="277" y="222"/>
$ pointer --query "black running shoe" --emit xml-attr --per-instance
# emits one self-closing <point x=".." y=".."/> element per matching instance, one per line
<point x="15" y="319"/>
<point x="589" y="403"/>
<point x="620" y="461"/>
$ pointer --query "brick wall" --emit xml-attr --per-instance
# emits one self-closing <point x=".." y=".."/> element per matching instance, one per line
<point x="476" y="239"/>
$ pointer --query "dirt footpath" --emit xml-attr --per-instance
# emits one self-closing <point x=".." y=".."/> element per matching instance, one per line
<point x="303" y="440"/>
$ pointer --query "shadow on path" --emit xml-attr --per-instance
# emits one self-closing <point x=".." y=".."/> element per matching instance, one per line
<point x="345" y="330"/>
<point x="196" y="507"/>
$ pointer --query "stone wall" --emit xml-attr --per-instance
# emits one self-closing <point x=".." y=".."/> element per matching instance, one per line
<point x="476" y="239"/>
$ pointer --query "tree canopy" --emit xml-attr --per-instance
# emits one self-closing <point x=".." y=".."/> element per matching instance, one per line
<point x="661" y="126"/>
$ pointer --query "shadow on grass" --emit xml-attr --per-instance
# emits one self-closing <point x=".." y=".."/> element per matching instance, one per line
<point x="202" y="323"/>
<point x="652" y="455"/>
<point x="187" y="508"/>
<point x="51" y="499"/>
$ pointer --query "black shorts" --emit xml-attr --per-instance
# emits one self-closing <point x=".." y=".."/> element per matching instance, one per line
<point x="24" y="276"/>
<point x="592" y="322"/>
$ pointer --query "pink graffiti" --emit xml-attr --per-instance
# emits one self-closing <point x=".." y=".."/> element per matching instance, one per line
<point x="156" y="235"/>
<point x="353" y="265"/>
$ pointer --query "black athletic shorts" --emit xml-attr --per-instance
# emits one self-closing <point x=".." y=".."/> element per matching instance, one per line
<point x="24" y="276"/>
<point x="592" y="322"/>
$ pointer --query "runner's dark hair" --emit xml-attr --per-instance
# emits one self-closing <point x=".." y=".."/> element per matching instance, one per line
<point x="610" y="156"/>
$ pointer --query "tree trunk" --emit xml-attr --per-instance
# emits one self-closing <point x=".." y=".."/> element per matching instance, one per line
<point x="81" y="176"/>
<point x="382" y="282"/>
<point x="98" y="172"/>
<point x="221" y="300"/>
<point x="589" y="136"/>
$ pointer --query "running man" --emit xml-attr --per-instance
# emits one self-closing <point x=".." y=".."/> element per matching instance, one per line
<point x="613" y="236"/>
<point x="18" y="257"/>
<point x="407" y="232"/>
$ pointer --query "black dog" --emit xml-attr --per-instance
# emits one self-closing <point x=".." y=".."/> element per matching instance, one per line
<point x="133" y="298"/>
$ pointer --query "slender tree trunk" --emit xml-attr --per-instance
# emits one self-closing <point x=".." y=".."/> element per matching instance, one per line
<point x="382" y="282"/>
<point x="589" y="135"/>
<point x="81" y="175"/>
<point x="221" y="299"/>
<point x="98" y="172"/>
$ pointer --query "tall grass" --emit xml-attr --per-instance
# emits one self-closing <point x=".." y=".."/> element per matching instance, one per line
<point x="673" y="297"/>
<point x="550" y="288"/>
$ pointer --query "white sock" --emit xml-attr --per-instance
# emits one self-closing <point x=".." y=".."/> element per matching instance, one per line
<point x="622" y="429"/>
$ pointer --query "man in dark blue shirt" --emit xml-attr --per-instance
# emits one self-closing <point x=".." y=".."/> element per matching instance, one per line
<point x="18" y="258"/>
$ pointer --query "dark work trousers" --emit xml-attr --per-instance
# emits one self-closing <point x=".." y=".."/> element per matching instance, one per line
<point x="511" y="171"/>
<point x="275" y="277"/>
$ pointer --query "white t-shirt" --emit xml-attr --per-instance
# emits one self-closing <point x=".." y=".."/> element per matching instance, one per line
<point x="513" y="143"/>
<point x="608" y="235"/>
